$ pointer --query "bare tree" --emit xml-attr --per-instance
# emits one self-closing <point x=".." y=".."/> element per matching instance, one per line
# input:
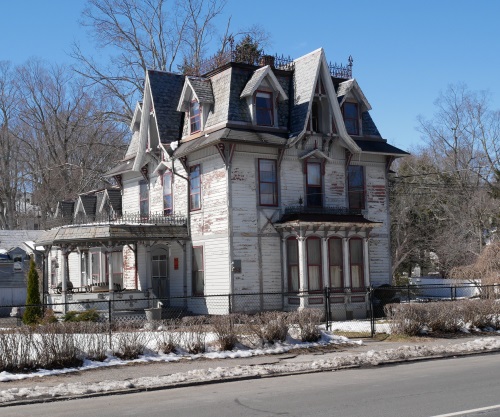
<point x="141" y="35"/>
<point x="11" y="169"/>
<point x="66" y="140"/>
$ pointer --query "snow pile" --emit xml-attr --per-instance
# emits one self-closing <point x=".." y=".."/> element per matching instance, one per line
<point x="221" y="373"/>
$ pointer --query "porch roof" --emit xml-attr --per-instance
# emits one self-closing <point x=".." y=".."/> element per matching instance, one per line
<point x="111" y="233"/>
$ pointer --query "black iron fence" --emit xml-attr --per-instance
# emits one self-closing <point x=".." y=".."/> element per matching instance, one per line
<point x="355" y="314"/>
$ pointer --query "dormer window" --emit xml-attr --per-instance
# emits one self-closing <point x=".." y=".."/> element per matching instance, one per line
<point x="351" y="118"/>
<point x="264" y="111"/>
<point x="195" y="117"/>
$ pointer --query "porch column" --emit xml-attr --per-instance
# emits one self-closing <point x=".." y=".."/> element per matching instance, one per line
<point x="284" y="259"/>
<point x="325" y="260"/>
<point x="366" y="262"/>
<point x="65" y="278"/>
<point x="347" y="264"/>
<point x="303" y="287"/>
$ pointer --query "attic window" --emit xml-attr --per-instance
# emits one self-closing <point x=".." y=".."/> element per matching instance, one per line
<point x="264" y="108"/>
<point x="351" y="118"/>
<point x="195" y="116"/>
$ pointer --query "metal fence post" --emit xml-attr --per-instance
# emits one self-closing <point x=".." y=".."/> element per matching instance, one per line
<point x="110" y="324"/>
<point x="229" y="303"/>
<point x="408" y="292"/>
<point x="327" y="307"/>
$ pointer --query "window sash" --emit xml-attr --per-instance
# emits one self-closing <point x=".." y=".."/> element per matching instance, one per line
<point x="167" y="193"/>
<point x="335" y="255"/>
<point x="292" y="251"/>
<point x="195" y="117"/>
<point x="264" y="109"/>
<point x="356" y="186"/>
<point x="351" y="118"/>
<point x="314" y="188"/>
<point x="143" y="198"/>
<point x="268" y="182"/>
<point x="314" y="277"/>
<point x="194" y="188"/>
<point x="198" y="281"/>
<point x="356" y="263"/>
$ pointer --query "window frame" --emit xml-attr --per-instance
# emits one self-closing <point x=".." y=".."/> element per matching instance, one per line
<point x="274" y="183"/>
<point x="141" y="199"/>
<point x="320" y="186"/>
<point x="356" y="190"/>
<point x="192" y="193"/>
<point x="360" y="265"/>
<point x="355" y="120"/>
<point x="290" y="265"/>
<point x="197" y="116"/>
<point x="269" y="109"/>
<point x="341" y="265"/>
<point x="194" y="288"/>
<point x="319" y="265"/>
<point x="167" y="210"/>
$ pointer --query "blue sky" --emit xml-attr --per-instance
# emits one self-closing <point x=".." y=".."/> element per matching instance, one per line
<point x="405" y="52"/>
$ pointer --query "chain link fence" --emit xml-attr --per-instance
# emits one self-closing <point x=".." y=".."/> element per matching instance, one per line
<point x="353" y="314"/>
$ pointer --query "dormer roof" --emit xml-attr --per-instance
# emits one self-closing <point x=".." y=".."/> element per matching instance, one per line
<point x="350" y="88"/>
<point x="255" y="81"/>
<point x="316" y="153"/>
<point x="199" y="88"/>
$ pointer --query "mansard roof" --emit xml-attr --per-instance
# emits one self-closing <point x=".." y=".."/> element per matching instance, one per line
<point x="166" y="89"/>
<point x="89" y="204"/>
<point x="65" y="208"/>
<point x="379" y="146"/>
<point x="202" y="89"/>
<point x="115" y="199"/>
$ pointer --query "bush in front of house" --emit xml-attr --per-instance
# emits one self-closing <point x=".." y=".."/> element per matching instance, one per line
<point x="443" y="316"/>
<point x="193" y="334"/>
<point x="129" y="343"/>
<point x="308" y="321"/>
<point x="267" y="327"/>
<point x="87" y="315"/>
<point x="224" y="327"/>
<point x="167" y="336"/>
<point x="33" y="312"/>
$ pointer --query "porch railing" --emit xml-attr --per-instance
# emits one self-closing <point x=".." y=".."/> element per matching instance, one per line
<point x="126" y="218"/>
<point x="301" y="209"/>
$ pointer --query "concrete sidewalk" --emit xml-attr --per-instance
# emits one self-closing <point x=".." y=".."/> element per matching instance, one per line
<point x="293" y="359"/>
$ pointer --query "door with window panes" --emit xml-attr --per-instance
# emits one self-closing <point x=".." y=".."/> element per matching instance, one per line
<point x="159" y="275"/>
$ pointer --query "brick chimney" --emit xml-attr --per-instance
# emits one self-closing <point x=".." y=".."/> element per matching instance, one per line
<point x="266" y="60"/>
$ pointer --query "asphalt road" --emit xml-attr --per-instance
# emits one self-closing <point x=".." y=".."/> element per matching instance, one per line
<point x="430" y="388"/>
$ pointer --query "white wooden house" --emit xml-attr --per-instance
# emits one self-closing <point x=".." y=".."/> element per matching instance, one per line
<point x="255" y="178"/>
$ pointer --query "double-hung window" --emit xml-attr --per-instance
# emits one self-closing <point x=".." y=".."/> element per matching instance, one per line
<point x="351" y="118"/>
<point x="314" y="264"/>
<point x="356" y="260"/>
<point x="268" y="182"/>
<point x="198" y="280"/>
<point x="335" y="256"/>
<point x="194" y="188"/>
<point x="194" y="117"/>
<point x="314" y="187"/>
<point x="264" y="108"/>
<point x="292" y="256"/>
<point x="356" y="187"/>
<point x="167" y="193"/>
<point x="144" y="198"/>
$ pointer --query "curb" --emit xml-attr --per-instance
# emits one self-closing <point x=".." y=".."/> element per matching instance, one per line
<point x="239" y="378"/>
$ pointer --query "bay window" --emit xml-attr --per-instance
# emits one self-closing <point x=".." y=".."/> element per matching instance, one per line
<point x="292" y="256"/>
<point x="356" y="260"/>
<point x="314" y="264"/>
<point x="335" y="262"/>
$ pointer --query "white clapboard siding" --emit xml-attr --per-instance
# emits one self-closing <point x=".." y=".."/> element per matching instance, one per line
<point x="74" y="269"/>
<point x="130" y="199"/>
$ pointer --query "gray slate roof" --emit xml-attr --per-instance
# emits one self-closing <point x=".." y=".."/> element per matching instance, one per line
<point x="203" y="89"/>
<point x="66" y="208"/>
<point x="89" y="203"/>
<point x="231" y="135"/>
<point x="166" y="89"/>
<point x="103" y="233"/>
<point x="379" y="146"/>
<point x="115" y="199"/>
<point x="10" y="239"/>
<point x="253" y="81"/>
<point x="369" y="128"/>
